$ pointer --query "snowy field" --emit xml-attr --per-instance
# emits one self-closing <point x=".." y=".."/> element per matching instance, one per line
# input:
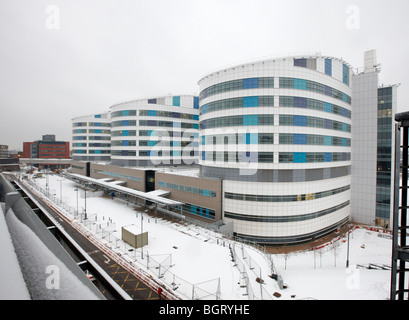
<point x="196" y="256"/>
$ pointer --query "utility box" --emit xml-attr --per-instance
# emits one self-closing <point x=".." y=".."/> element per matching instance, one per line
<point x="132" y="236"/>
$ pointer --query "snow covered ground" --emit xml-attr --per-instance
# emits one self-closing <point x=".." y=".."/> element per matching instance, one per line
<point x="196" y="257"/>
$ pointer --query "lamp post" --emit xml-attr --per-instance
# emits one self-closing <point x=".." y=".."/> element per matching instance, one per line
<point x="348" y="247"/>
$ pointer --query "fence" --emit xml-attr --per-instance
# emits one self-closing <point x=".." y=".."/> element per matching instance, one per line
<point x="100" y="232"/>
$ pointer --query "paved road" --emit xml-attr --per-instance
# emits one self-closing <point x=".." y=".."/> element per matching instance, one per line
<point x="133" y="286"/>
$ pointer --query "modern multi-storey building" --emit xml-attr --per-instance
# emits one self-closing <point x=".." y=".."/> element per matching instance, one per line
<point x="154" y="132"/>
<point x="278" y="132"/>
<point x="91" y="137"/>
<point x="290" y="149"/>
<point x="47" y="148"/>
<point x="372" y="145"/>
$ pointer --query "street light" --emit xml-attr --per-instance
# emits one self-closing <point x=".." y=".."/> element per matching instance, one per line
<point x="348" y="247"/>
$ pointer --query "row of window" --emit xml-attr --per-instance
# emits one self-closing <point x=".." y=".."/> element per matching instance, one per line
<point x="268" y="101"/>
<point x="199" y="211"/>
<point x="255" y="101"/>
<point x="92" y="145"/>
<point x="240" y="84"/>
<point x="151" y="143"/>
<point x="189" y="189"/>
<point x="154" y="113"/>
<point x="268" y="82"/>
<point x="240" y="120"/>
<point x="284" y="198"/>
<point x="268" y="138"/>
<point x="151" y="153"/>
<point x="81" y="151"/>
<point x="314" y="122"/>
<point x="91" y="124"/>
<point x="285" y="218"/>
<point x="101" y="131"/>
<point x="268" y="157"/>
<point x="309" y="157"/>
<point x="91" y="138"/>
<point x="117" y="175"/>
<point x="309" y="85"/>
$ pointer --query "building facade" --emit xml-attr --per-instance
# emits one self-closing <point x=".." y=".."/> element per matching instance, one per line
<point x="91" y="137"/>
<point x="155" y="132"/>
<point x="278" y="132"/>
<point x="372" y="145"/>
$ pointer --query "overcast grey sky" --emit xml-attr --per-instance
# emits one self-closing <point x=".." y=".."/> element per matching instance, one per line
<point x="65" y="58"/>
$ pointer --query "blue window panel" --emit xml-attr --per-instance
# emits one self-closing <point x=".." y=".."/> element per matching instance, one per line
<point x="193" y="209"/>
<point x="300" y="138"/>
<point x="345" y="76"/>
<point x="344" y="127"/>
<point x="79" y="151"/>
<point x="344" y="112"/>
<point x="328" y="107"/>
<point x="152" y="133"/>
<point x="97" y="131"/>
<point x="125" y="113"/>
<point x="160" y="183"/>
<point x="125" y="133"/>
<point x="203" y="155"/>
<point x="250" y="120"/>
<point x="344" y="156"/>
<point x="201" y="211"/>
<point x="124" y="153"/>
<point x="125" y="123"/>
<point x="97" y="151"/>
<point x="328" y="124"/>
<point x="176" y="153"/>
<point x="344" y="142"/>
<point x="195" y="117"/>
<point x="300" y="84"/>
<point x="344" y="97"/>
<point x="152" y="123"/>
<point x="176" y="101"/>
<point x="152" y="113"/>
<point x="176" y="124"/>
<point x="300" y="102"/>
<point x="328" y="91"/>
<point x="125" y="143"/>
<point x="327" y="157"/>
<point x="206" y="193"/>
<point x="250" y="102"/>
<point x="176" y="143"/>
<point x="97" y="116"/>
<point x="195" y="126"/>
<point x="196" y="102"/>
<point x="97" y="124"/>
<point x="204" y="109"/>
<point x="203" y="140"/>
<point x="328" y="67"/>
<point x="207" y="213"/>
<point x="176" y="115"/>
<point x="250" y="83"/>
<point x="300" y="121"/>
<point x="152" y="101"/>
<point x="196" y="135"/>
<point x="250" y="138"/>
<point x="300" y="62"/>
<point x="152" y="143"/>
<point x="299" y="157"/>
<point x="195" y="144"/>
<point x="327" y="141"/>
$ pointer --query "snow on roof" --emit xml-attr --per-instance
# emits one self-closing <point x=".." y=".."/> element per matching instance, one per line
<point x="12" y="282"/>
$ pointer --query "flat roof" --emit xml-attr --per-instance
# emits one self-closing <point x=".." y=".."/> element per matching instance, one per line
<point x="154" y="197"/>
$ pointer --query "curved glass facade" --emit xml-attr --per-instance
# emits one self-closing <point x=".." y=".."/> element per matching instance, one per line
<point x="279" y="133"/>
